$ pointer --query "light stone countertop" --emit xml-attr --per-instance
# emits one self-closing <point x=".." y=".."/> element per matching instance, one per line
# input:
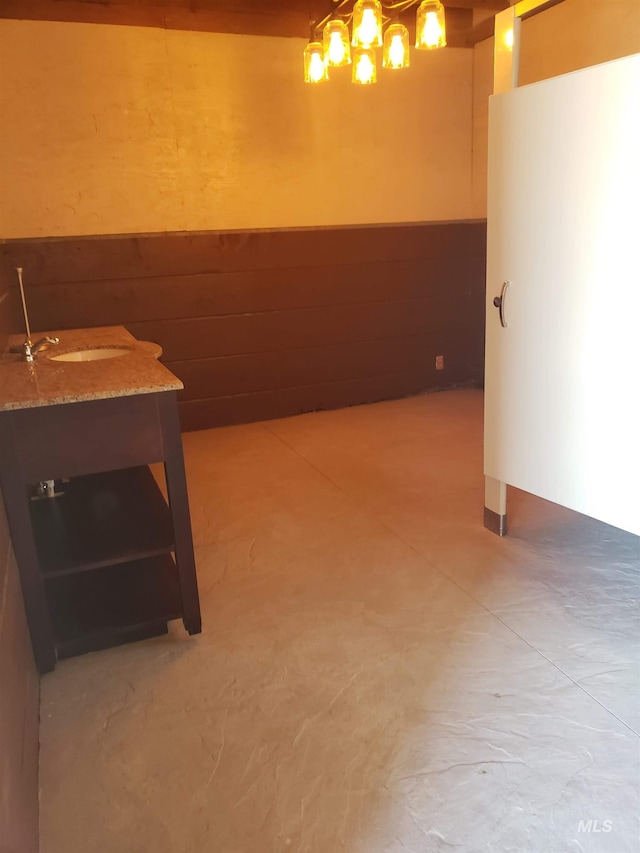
<point x="45" y="382"/>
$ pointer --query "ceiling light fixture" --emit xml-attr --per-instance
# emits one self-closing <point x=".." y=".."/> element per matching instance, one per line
<point x="364" y="66"/>
<point x="315" y="69"/>
<point x="335" y="40"/>
<point x="374" y="24"/>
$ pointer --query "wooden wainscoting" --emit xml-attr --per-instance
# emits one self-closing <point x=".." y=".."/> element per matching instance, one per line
<point x="19" y="687"/>
<point x="262" y="324"/>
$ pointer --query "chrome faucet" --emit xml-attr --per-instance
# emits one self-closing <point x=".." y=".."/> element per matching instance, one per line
<point x="29" y="349"/>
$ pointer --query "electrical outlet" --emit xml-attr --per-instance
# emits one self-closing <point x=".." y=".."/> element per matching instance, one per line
<point x="439" y="362"/>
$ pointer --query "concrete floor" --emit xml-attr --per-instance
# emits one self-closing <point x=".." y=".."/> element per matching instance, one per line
<point x="377" y="672"/>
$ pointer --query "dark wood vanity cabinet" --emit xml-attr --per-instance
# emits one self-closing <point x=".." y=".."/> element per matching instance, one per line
<point x="108" y="560"/>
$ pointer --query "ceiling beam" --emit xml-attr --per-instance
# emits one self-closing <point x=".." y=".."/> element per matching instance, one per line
<point x="481" y="5"/>
<point x="169" y="15"/>
<point x="283" y="18"/>
<point x="482" y="31"/>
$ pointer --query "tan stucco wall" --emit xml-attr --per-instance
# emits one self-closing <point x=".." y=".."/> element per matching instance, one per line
<point x="576" y="34"/>
<point x="573" y="35"/>
<point x="127" y="129"/>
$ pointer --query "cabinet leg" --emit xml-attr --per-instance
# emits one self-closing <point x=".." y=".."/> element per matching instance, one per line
<point x="179" y="502"/>
<point x="495" y="506"/>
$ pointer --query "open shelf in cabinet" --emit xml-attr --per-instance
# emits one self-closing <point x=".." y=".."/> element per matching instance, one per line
<point x="114" y="604"/>
<point x="101" y="520"/>
<point x="111" y="560"/>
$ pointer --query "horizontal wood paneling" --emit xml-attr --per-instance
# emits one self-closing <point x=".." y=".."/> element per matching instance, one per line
<point x="19" y="696"/>
<point x="263" y="324"/>
<point x="243" y="374"/>
<point x="288" y="329"/>
<point x="244" y="408"/>
<point x="19" y="712"/>
<point x="19" y="685"/>
<point x="121" y="256"/>
<point x="131" y="300"/>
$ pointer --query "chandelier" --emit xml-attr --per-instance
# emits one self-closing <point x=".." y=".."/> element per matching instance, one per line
<point x="374" y="24"/>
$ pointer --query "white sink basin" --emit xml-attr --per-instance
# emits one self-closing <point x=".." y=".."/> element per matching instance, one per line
<point x="91" y="354"/>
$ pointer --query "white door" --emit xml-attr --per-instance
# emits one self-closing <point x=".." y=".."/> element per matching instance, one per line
<point x="562" y="406"/>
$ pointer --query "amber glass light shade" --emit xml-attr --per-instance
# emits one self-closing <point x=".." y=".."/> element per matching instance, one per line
<point x="395" y="51"/>
<point x="335" y="39"/>
<point x="364" y="66"/>
<point x="430" y="25"/>
<point x="314" y="68"/>
<point x="367" y="24"/>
